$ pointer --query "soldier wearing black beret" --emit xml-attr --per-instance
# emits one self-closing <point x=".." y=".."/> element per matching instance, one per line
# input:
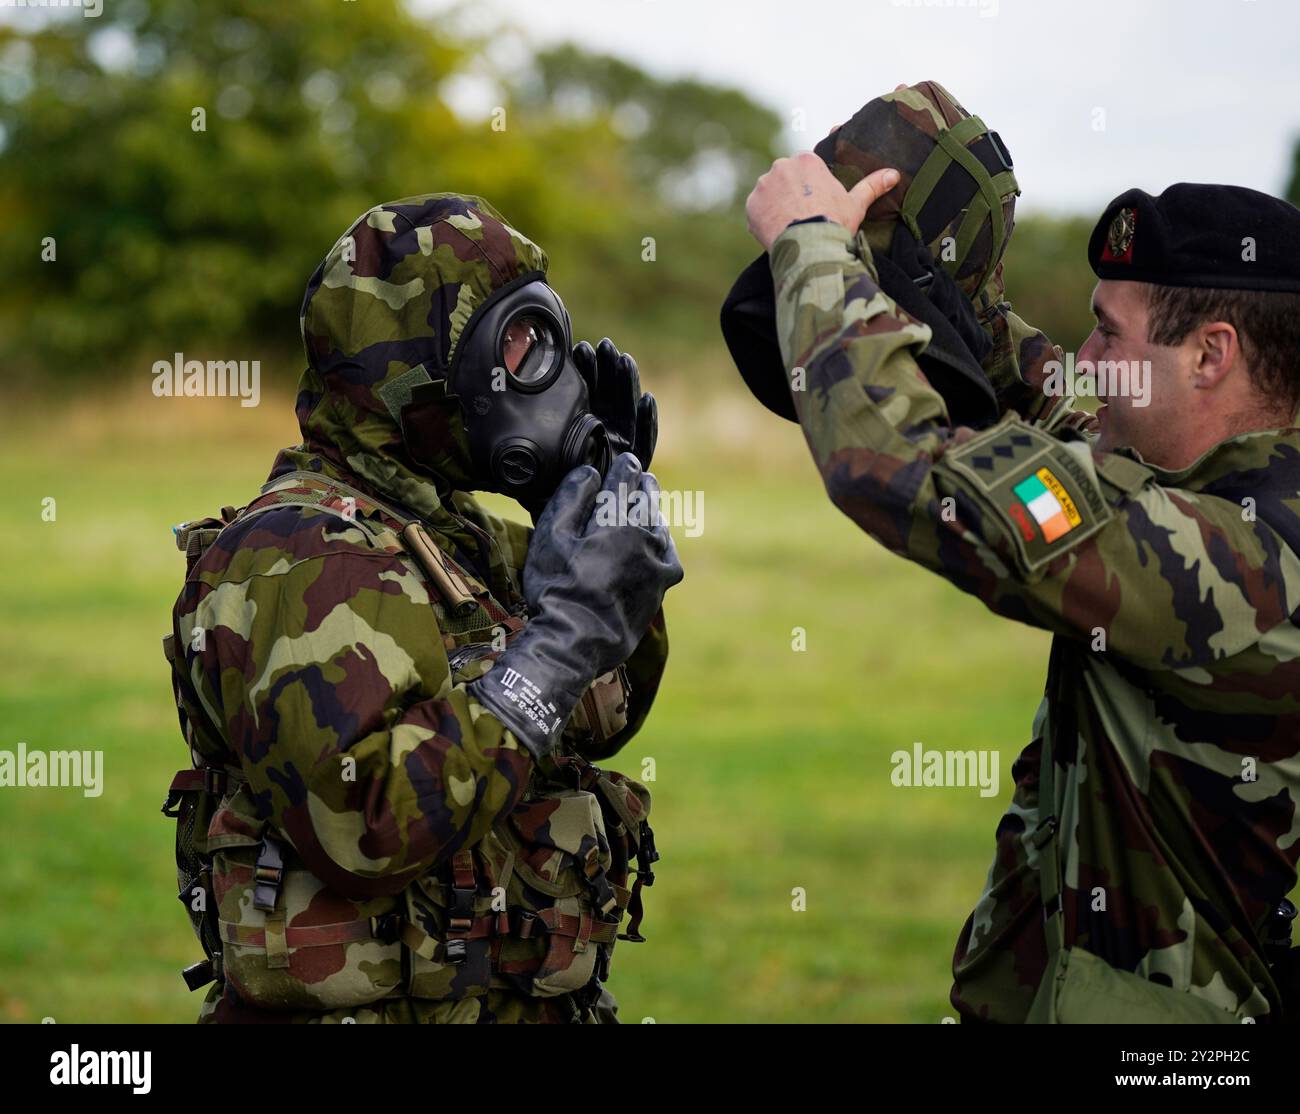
<point x="1200" y="290"/>
<point x="1144" y="860"/>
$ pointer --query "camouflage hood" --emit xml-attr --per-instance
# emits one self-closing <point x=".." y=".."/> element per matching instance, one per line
<point x="381" y="320"/>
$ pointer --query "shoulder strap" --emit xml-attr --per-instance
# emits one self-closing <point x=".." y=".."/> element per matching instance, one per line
<point x="1045" y="834"/>
<point x="1125" y="475"/>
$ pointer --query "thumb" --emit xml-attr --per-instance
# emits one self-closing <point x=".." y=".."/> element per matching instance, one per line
<point x="874" y="185"/>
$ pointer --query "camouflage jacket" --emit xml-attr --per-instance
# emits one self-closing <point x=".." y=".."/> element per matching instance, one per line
<point x="1172" y="597"/>
<point x="378" y="846"/>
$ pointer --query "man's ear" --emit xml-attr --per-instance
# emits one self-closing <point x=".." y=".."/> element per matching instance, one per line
<point x="1218" y="351"/>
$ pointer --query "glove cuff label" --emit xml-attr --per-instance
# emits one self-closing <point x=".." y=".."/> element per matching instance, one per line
<point x="528" y="698"/>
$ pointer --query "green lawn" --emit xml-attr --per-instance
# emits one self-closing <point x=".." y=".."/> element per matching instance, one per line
<point x="772" y="766"/>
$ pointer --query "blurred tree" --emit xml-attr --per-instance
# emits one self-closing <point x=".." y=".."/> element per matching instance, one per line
<point x="1049" y="282"/>
<point x="192" y="163"/>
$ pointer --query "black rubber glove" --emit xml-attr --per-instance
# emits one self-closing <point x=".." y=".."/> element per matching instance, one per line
<point x="599" y="563"/>
<point x="630" y="418"/>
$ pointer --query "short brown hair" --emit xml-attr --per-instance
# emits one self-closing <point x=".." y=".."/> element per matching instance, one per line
<point x="1267" y="324"/>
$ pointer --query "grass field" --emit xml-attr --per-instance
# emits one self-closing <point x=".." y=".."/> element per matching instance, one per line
<point x="772" y="766"/>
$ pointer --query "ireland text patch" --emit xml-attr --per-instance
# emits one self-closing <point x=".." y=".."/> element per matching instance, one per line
<point x="1044" y="491"/>
<point x="1049" y="503"/>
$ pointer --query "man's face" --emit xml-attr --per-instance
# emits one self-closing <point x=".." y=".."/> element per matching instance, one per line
<point x="1145" y="389"/>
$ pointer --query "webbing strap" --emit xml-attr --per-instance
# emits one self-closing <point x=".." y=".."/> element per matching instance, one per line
<point x="277" y="940"/>
<point x="304" y="936"/>
<point x="950" y="147"/>
<point x="1128" y="476"/>
<point x="416" y="940"/>
<point x="950" y="141"/>
<point x="969" y="229"/>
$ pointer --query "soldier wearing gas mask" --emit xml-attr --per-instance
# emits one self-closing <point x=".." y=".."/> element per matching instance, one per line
<point x="394" y="700"/>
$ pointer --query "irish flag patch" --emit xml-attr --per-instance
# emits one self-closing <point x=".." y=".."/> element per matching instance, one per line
<point x="1046" y="499"/>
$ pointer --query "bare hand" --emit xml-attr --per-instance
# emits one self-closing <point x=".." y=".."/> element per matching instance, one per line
<point x="803" y="186"/>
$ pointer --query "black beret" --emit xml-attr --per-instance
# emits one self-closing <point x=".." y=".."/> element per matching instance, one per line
<point x="1226" y="237"/>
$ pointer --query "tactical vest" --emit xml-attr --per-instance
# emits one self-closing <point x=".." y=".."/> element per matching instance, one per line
<point x="535" y="907"/>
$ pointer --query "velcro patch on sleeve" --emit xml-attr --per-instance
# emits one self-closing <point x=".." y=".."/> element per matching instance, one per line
<point x="1043" y="490"/>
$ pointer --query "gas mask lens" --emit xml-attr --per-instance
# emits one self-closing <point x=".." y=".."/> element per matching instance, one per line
<point x="530" y="350"/>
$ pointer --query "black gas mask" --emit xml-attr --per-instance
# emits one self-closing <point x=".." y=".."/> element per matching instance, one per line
<point x="525" y="404"/>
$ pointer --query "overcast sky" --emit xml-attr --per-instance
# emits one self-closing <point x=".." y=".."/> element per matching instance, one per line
<point x="1092" y="97"/>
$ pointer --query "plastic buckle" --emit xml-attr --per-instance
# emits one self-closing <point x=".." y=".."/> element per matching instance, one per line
<point x="199" y="974"/>
<point x="462" y="904"/>
<point x="1000" y="148"/>
<point x="214" y="781"/>
<point x="456" y="952"/>
<point x="268" y="873"/>
<point x="529" y="923"/>
<point x="1045" y="830"/>
<point x="386" y="928"/>
<point x="1277" y="931"/>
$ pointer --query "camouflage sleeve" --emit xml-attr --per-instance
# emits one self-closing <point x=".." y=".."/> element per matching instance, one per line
<point x="322" y="661"/>
<point x="1016" y="515"/>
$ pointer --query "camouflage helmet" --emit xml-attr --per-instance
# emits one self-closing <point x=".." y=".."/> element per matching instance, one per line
<point x="957" y="192"/>
<point x="949" y="217"/>
<point x="381" y="320"/>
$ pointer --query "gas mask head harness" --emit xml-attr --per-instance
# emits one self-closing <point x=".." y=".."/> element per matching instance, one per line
<point x="525" y="404"/>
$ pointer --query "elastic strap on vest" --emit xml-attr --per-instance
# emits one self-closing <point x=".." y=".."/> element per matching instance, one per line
<point x="646" y="856"/>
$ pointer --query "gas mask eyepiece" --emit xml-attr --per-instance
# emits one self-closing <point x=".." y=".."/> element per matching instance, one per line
<point x="525" y="403"/>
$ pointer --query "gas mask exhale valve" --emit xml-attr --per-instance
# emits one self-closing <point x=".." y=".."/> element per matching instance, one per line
<point x="525" y="403"/>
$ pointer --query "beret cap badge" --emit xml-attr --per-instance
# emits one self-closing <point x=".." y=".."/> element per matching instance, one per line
<point x="1119" y="238"/>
